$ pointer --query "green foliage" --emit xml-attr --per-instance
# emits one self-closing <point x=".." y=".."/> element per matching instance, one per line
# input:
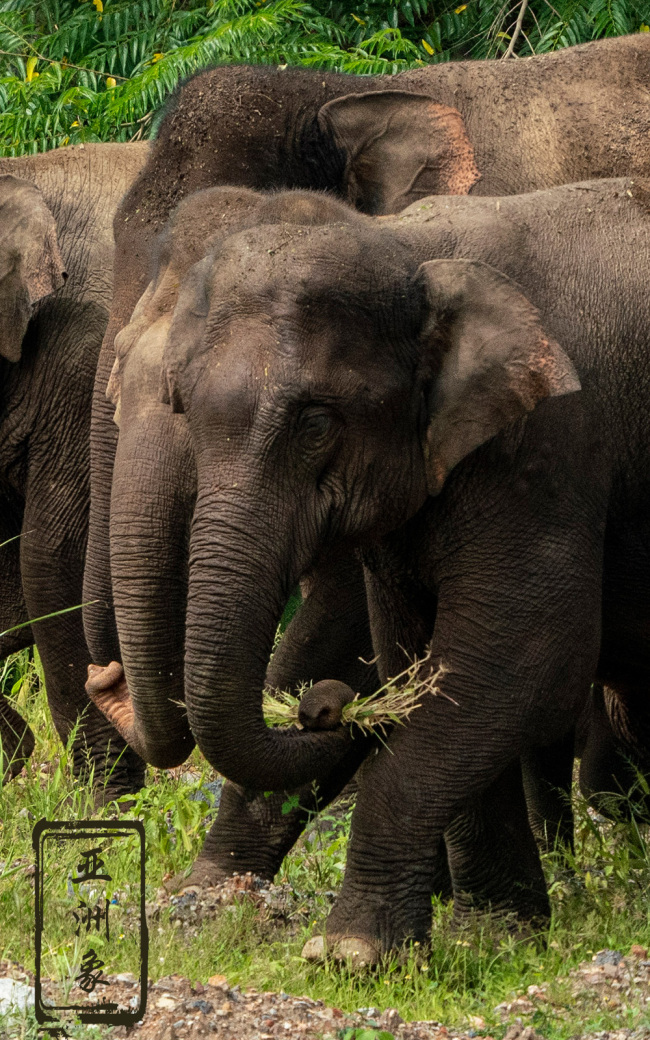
<point x="87" y="70"/>
<point x="599" y="899"/>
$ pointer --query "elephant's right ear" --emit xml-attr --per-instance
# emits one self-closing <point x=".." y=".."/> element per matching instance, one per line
<point x="489" y="358"/>
<point x="399" y="147"/>
<point x="185" y="336"/>
<point x="30" y="262"/>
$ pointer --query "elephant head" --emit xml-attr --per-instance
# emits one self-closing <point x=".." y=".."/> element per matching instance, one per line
<point x="30" y="263"/>
<point x="264" y="128"/>
<point x="154" y="484"/>
<point x="329" y="385"/>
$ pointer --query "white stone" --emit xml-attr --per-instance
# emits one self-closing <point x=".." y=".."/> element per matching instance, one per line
<point x="15" y="996"/>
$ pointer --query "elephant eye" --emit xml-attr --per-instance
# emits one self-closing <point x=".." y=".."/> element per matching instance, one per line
<point x="315" y="426"/>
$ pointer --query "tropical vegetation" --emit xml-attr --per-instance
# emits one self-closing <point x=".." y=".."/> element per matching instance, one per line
<point x="97" y="70"/>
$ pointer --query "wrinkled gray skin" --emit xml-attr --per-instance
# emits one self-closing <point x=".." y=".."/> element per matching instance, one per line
<point x="381" y="143"/>
<point x="50" y="336"/>
<point x="370" y="386"/>
<point x="489" y="127"/>
<point x="154" y="469"/>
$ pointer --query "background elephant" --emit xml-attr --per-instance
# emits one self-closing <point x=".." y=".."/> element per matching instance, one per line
<point x="49" y="345"/>
<point x="377" y="393"/>
<point x="488" y="127"/>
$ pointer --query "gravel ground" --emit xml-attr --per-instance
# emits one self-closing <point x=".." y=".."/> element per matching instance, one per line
<point x="177" y="1010"/>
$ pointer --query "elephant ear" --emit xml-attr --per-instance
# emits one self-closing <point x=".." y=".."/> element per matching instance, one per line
<point x="495" y="361"/>
<point x="30" y="262"/>
<point x="399" y="148"/>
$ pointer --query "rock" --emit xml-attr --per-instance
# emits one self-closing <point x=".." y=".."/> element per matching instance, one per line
<point x="314" y="949"/>
<point x="476" y="1022"/>
<point x="518" y="1031"/>
<point x="165" y="1002"/>
<point x="202" y="1005"/>
<point x="218" y="981"/>
<point x="390" y="1019"/>
<point x="15" y="996"/>
<point x="210" y="793"/>
<point x="607" y="957"/>
<point x="638" y="951"/>
<point x="126" y="976"/>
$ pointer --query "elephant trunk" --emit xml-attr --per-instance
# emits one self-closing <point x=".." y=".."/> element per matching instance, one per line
<point x="151" y="506"/>
<point x="243" y="564"/>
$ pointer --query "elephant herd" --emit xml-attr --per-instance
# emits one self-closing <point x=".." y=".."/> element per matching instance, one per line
<point x="387" y="338"/>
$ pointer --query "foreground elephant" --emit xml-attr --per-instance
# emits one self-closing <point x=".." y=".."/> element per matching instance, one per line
<point x="370" y="385"/>
<point x="489" y="127"/>
<point x="155" y="472"/>
<point x="50" y="338"/>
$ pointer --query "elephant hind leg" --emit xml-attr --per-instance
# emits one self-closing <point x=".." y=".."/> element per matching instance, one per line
<point x="493" y="856"/>
<point x="547" y="774"/>
<point x="16" y="741"/>
<point x="616" y="749"/>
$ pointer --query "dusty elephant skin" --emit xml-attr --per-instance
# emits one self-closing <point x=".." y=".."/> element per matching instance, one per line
<point x="50" y="336"/>
<point x="490" y="129"/>
<point x="149" y="562"/>
<point x="384" y="386"/>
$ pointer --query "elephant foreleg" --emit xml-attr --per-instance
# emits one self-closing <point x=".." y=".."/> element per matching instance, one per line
<point x="16" y="738"/>
<point x="51" y="566"/>
<point x="616" y="742"/>
<point x="509" y="879"/>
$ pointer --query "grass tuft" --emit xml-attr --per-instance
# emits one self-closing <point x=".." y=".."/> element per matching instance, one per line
<point x="390" y="705"/>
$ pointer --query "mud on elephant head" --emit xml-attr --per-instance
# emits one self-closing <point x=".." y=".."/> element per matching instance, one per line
<point x="30" y="263"/>
<point x="327" y="383"/>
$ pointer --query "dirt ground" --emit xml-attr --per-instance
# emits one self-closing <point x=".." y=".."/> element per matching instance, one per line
<point x="176" y="1010"/>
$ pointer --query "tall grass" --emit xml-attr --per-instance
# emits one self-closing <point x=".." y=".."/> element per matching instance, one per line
<point x="600" y="899"/>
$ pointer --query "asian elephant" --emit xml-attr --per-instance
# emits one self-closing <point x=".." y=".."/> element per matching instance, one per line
<point x="50" y="337"/>
<point x="450" y="392"/>
<point x="485" y="127"/>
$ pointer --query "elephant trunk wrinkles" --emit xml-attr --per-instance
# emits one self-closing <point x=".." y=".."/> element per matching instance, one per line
<point x="238" y="586"/>
<point x="152" y="499"/>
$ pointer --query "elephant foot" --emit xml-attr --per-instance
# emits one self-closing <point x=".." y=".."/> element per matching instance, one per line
<point x="107" y="689"/>
<point x="353" y="951"/>
<point x="204" y="874"/>
<point x="16" y="742"/>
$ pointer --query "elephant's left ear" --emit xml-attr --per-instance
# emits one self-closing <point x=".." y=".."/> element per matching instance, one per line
<point x="494" y="360"/>
<point x="398" y="148"/>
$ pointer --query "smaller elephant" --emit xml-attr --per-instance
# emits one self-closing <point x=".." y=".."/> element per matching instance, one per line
<point x="50" y="337"/>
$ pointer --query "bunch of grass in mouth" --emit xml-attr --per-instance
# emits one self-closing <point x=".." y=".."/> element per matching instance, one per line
<point x="390" y="705"/>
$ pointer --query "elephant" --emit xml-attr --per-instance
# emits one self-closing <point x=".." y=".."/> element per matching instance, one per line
<point x="50" y="337"/>
<point x="483" y="127"/>
<point x="154" y="452"/>
<point x="449" y="392"/>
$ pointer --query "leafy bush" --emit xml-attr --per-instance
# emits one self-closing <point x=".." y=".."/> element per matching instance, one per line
<point x="97" y="70"/>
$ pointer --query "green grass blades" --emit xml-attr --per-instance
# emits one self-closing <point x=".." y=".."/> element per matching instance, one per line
<point x="468" y="977"/>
